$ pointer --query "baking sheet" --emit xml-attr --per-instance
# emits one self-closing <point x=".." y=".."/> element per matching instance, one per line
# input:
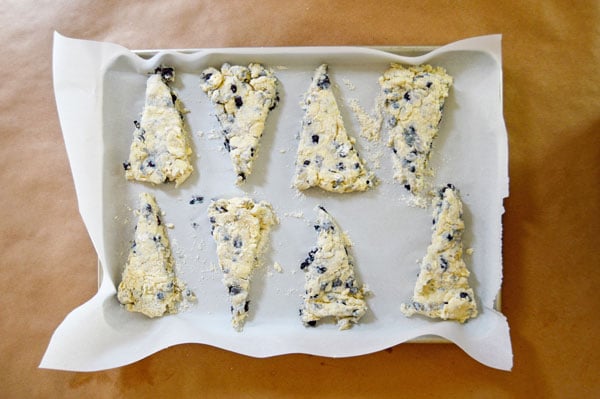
<point x="100" y="91"/>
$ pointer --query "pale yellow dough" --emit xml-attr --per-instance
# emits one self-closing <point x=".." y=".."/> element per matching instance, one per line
<point x="243" y="97"/>
<point x="160" y="151"/>
<point x="240" y="228"/>
<point x="331" y="287"/>
<point x="442" y="289"/>
<point x="149" y="284"/>
<point x="412" y="100"/>
<point x="327" y="157"/>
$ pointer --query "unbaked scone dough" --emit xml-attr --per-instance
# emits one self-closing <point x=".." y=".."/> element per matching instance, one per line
<point x="160" y="151"/>
<point x="327" y="157"/>
<point x="412" y="99"/>
<point x="149" y="284"/>
<point x="243" y="97"/>
<point x="240" y="228"/>
<point x="442" y="289"/>
<point x="331" y="289"/>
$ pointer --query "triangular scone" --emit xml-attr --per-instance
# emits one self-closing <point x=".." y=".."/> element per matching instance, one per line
<point x="243" y="97"/>
<point x="442" y="289"/>
<point x="240" y="229"/>
<point x="412" y="102"/>
<point x="160" y="151"/>
<point x="331" y="286"/>
<point x="326" y="155"/>
<point x="149" y="284"/>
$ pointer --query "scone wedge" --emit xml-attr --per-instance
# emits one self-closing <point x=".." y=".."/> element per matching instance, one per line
<point x="331" y="287"/>
<point x="160" y="151"/>
<point x="149" y="284"/>
<point x="412" y="102"/>
<point x="327" y="157"/>
<point x="442" y="289"/>
<point x="243" y="97"/>
<point x="240" y="228"/>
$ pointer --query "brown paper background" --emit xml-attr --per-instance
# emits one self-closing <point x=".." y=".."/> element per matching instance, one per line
<point x="551" y="55"/>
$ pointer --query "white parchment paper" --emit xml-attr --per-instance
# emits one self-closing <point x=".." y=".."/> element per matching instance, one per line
<point x="99" y="90"/>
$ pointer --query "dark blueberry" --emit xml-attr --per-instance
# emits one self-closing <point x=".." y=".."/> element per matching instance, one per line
<point x="395" y="150"/>
<point x="196" y="200"/>
<point x="327" y="226"/>
<point x="233" y="88"/>
<point x="443" y="264"/>
<point x="252" y="152"/>
<point x="464" y="295"/>
<point x="315" y="138"/>
<point x="309" y="259"/>
<point x="449" y="237"/>
<point x="336" y="283"/>
<point x="173" y="97"/>
<point x="156" y="238"/>
<point x="392" y="121"/>
<point x="317" y="227"/>
<point x="340" y="166"/>
<point x="222" y="209"/>
<point x="226" y="144"/>
<point x="410" y="136"/>
<point x="412" y="169"/>
<point x="357" y="165"/>
<point x="136" y="124"/>
<point x="246" y="306"/>
<point x="237" y="243"/>
<point x="428" y="85"/>
<point x="450" y="186"/>
<point x="126" y="165"/>
<point x="234" y="289"/>
<point x="238" y="101"/>
<point x="148" y="208"/>
<point x="206" y="76"/>
<point x="407" y="186"/>
<point x="274" y="105"/>
<point x="133" y="244"/>
<point x="312" y="323"/>
<point x="321" y="269"/>
<point x="306" y="162"/>
<point x="166" y="72"/>
<point x="407" y="96"/>
<point x="368" y="182"/>
<point x="323" y="82"/>
<point x="158" y="221"/>
<point x="160" y="296"/>
<point x="242" y="175"/>
<point x="212" y="219"/>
